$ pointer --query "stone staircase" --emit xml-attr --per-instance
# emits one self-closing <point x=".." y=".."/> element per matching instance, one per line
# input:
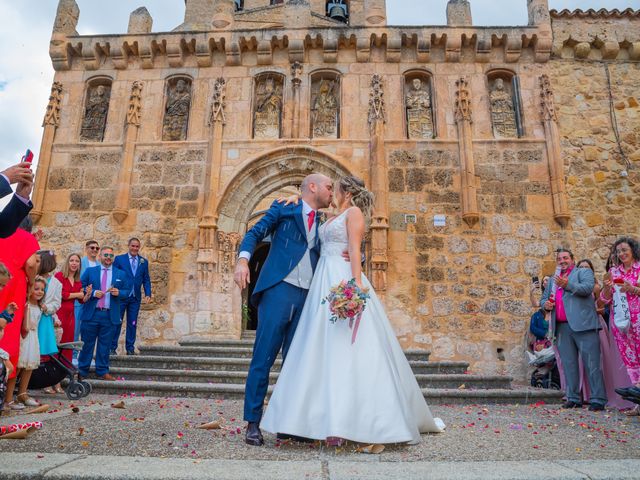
<point x="207" y="368"/>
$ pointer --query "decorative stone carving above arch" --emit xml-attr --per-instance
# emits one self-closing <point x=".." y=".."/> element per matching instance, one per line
<point x="418" y="105"/>
<point x="264" y="174"/>
<point x="505" y="104"/>
<point x="268" y="105"/>
<point x="177" y="107"/>
<point x="96" y="109"/>
<point x="325" y="104"/>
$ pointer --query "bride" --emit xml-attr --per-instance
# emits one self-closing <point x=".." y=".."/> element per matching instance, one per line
<point x="328" y="387"/>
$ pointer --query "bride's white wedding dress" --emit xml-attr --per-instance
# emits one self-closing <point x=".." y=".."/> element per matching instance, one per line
<point x="328" y="387"/>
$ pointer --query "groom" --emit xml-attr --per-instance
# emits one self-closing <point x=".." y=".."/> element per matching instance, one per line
<point x="282" y="286"/>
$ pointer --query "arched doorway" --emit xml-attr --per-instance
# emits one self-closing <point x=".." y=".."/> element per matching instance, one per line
<point x="252" y="190"/>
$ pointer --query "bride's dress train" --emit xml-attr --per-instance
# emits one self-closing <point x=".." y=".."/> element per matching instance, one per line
<point x="365" y="392"/>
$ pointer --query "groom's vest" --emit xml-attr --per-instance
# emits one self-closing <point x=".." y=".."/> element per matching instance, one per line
<point x="302" y="274"/>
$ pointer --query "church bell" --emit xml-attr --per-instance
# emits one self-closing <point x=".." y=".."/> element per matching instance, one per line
<point x="337" y="11"/>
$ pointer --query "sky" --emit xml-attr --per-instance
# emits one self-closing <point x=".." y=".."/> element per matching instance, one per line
<point x="25" y="29"/>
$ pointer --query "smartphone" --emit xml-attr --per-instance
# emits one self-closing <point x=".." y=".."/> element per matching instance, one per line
<point x="535" y="279"/>
<point x="28" y="156"/>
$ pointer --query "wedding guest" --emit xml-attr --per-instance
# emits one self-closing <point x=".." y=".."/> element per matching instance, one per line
<point x="535" y="291"/>
<point x="613" y="370"/>
<point x="50" y="305"/>
<point x="574" y="322"/>
<point x="136" y="268"/>
<point x="18" y="254"/>
<point x="69" y="278"/>
<point x="19" y="206"/>
<point x="100" y="312"/>
<point x="6" y="317"/>
<point x="539" y="323"/>
<point x="627" y="274"/>
<point x="90" y="259"/>
<point x="29" y="344"/>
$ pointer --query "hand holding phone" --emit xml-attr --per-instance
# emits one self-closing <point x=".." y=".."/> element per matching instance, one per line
<point x="28" y="156"/>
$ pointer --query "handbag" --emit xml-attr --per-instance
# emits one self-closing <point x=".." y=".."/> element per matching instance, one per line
<point x="621" y="314"/>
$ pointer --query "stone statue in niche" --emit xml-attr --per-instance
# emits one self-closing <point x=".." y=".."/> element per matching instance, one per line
<point x="268" y="110"/>
<point x="325" y="111"/>
<point x="95" y="114"/>
<point x="176" y="115"/>
<point x="419" y="111"/>
<point x="503" y="114"/>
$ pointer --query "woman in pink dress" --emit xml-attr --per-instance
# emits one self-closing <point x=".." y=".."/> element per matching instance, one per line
<point x="69" y="277"/>
<point x="627" y="275"/>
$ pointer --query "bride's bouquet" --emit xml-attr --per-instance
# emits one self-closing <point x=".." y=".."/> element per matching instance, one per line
<point x="347" y="301"/>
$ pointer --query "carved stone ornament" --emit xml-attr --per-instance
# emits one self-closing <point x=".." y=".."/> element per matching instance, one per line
<point x="227" y="246"/>
<point x="376" y="100"/>
<point x="296" y="72"/>
<point x="325" y="108"/>
<point x="463" y="100"/>
<point x="52" y="116"/>
<point x="547" y="102"/>
<point x="94" y="121"/>
<point x="503" y="114"/>
<point x="268" y="108"/>
<point x="135" y="104"/>
<point x="419" y="110"/>
<point x="218" y="103"/>
<point x="176" y="115"/>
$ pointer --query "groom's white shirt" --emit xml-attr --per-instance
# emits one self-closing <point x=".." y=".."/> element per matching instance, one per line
<point x="302" y="274"/>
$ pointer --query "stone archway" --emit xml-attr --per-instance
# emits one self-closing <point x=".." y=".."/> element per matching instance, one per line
<point x="267" y="173"/>
<point x="220" y="303"/>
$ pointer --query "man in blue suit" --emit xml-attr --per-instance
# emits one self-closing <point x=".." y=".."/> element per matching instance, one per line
<point x="20" y="205"/>
<point x="101" y="313"/>
<point x="136" y="269"/>
<point x="282" y="286"/>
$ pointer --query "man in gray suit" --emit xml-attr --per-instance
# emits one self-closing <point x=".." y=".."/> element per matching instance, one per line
<point x="574" y="321"/>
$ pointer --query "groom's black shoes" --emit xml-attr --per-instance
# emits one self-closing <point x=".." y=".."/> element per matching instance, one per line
<point x="253" y="435"/>
<point x="295" y="438"/>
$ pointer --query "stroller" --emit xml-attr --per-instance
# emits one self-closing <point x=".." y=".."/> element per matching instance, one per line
<point x="546" y="373"/>
<point x="57" y="368"/>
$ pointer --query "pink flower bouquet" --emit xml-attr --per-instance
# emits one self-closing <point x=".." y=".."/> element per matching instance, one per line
<point x="347" y="301"/>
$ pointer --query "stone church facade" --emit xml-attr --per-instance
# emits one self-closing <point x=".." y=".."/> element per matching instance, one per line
<point x="486" y="147"/>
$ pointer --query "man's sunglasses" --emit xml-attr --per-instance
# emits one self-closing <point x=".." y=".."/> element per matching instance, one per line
<point x="94" y="248"/>
<point x="108" y="255"/>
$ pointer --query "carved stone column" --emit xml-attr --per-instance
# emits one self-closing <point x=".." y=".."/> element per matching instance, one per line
<point x="208" y="224"/>
<point x="51" y="123"/>
<point x="554" y="155"/>
<point x="468" y="179"/>
<point x="296" y="81"/>
<point x="379" y="180"/>
<point x="121" y="210"/>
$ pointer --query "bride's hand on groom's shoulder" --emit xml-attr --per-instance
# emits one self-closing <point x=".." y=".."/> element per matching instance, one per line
<point x="293" y="199"/>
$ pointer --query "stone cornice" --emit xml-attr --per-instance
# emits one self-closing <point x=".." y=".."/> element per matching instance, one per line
<point x="602" y="13"/>
<point x="412" y="44"/>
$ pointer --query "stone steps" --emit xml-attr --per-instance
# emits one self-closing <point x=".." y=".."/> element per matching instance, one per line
<point x="242" y="364"/>
<point x="236" y="391"/>
<point x="233" y="349"/>
<point x="239" y="377"/>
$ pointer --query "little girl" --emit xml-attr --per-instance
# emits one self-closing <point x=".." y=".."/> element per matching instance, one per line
<point x="50" y="305"/>
<point x="29" y="346"/>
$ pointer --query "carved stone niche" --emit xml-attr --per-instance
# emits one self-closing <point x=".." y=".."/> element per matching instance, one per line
<point x="505" y="104"/>
<point x="96" y="109"/>
<point x="177" y="107"/>
<point x="418" y="106"/>
<point x="267" y="105"/>
<point x="325" y="105"/>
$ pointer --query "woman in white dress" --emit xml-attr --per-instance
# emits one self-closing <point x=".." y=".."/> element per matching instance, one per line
<point x="328" y="387"/>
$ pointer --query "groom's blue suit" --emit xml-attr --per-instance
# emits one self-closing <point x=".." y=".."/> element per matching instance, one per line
<point x="279" y="303"/>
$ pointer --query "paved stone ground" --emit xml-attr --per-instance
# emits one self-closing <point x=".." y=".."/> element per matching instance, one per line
<point x="165" y="428"/>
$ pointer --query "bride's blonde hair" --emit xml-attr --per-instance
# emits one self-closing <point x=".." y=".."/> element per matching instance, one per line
<point x="360" y="196"/>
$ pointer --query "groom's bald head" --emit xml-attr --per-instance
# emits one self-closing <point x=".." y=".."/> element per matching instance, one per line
<point x="317" y="190"/>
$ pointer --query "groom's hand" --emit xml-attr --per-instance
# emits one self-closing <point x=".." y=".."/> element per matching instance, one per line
<point x="241" y="275"/>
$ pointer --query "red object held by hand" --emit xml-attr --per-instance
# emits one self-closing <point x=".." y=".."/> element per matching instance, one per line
<point x="618" y="281"/>
<point x="552" y="298"/>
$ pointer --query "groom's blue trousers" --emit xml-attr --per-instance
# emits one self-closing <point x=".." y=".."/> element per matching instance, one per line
<point x="278" y="314"/>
